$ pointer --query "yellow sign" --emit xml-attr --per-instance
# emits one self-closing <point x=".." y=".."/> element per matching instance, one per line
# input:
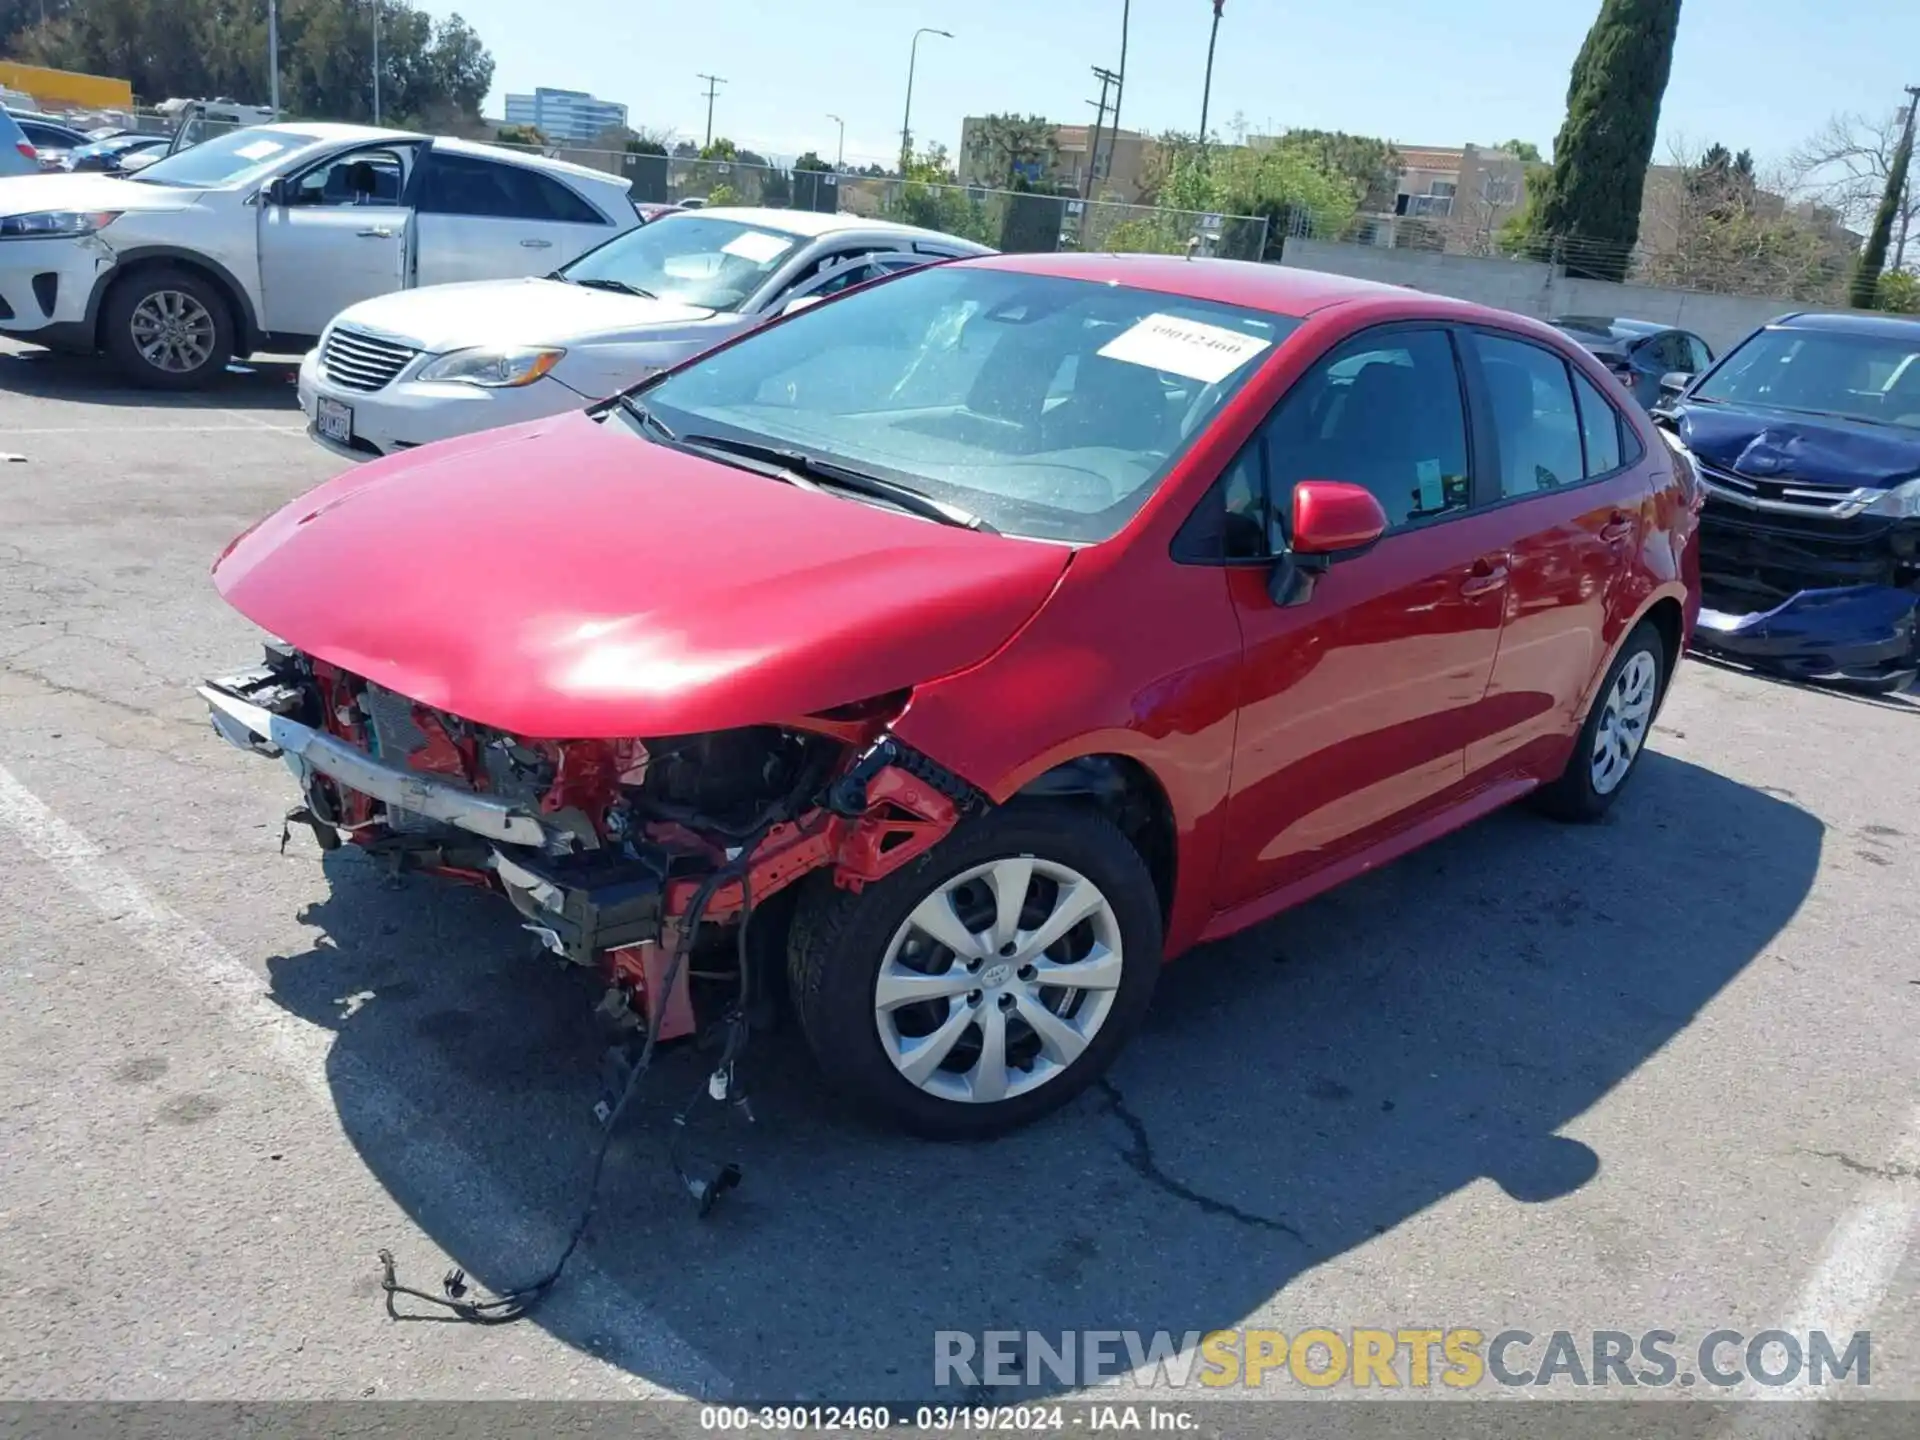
<point x="66" y="87"/>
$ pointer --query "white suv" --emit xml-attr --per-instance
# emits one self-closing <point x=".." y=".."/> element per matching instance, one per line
<point x="253" y="241"/>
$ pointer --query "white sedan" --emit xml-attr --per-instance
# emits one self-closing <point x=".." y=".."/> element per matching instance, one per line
<point x="425" y="365"/>
<point x="252" y="241"/>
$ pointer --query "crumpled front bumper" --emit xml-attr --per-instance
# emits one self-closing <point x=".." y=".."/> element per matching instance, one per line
<point x="254" y="728"/>
<point x="1854" y="632"/>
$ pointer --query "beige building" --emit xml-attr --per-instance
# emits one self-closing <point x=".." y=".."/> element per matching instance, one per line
<point x="1449" y="197"/>
<point x="1125" y="159"/>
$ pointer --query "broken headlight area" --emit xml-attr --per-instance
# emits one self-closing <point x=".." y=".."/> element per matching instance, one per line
<point x="616" y="853"/>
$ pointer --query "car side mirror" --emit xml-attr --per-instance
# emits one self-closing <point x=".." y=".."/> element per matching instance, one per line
<point x="799" y="303"/>
<point x="1332" y="520"/>
<point x="1673" y="384"/>
<point x="275" y="192"/>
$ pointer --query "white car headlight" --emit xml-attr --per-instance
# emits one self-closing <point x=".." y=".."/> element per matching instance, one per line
<point x="494" y="367"/>
<point x="55" y="224"/>
<point x="1900" y="503"/>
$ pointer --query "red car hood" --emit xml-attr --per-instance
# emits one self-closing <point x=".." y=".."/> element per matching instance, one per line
<point x="567" y="580"/>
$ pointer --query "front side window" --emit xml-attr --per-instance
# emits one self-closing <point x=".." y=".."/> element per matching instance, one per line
<point x="1049" y="407"/>
<point x="702" y="260"/>
<point x="360" y="177"/>
<point x="1873" y="377"/>
<point x="1385" y="413"/>
<point x="1535" y="424"/>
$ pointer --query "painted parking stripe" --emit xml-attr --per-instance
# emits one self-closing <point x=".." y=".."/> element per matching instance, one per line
<point x="626" y="1333"/>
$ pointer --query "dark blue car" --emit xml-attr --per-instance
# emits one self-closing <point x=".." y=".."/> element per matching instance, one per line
<point x="1806" y="438"/>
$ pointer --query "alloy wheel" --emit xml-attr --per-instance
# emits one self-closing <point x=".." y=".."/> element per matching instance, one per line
<point x="999" y="980"/>
<point x="1624" y="721"/>
<point x="173" y="332"/>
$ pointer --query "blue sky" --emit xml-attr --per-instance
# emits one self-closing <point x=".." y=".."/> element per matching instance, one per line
<point x="1761" y="74"/>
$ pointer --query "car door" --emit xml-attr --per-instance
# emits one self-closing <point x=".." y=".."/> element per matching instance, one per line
<point x="484" y="219"/>
<point x="337" y="235"/>
<point x="1572" y="506"/>
<point x="1358" y="704"/>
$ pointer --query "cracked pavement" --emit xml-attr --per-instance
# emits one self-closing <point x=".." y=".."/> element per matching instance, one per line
<point x="1628" y="1077"/>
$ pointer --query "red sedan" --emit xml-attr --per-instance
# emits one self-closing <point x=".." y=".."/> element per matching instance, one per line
<point x="984" y="637"/>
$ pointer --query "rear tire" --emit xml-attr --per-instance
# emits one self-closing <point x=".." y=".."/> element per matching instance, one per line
<point x="925" y="998"/>
<point x="1611" y="742"/>
<point x="167" y="329"/>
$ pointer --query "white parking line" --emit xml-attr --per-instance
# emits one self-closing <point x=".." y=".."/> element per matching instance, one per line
<point x="256" y="426"/>
<point x="626" y="1333"/>
<point x="1862" y="1254"/>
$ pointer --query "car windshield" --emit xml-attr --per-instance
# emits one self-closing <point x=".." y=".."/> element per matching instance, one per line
<point x="1824" y="372"/>
<point x="231" y="159"/>
<point x="1047" y="407"/>
<point x="705" y="260"/>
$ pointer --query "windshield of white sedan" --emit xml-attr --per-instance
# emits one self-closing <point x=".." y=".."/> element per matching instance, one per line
<point x="1046" y="407"/>
<point x="229" y="159"/>
<point x="1860" y="377"/>
<point x="699" y="260"/>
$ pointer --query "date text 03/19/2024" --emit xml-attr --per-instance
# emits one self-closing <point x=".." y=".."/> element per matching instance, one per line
<point x="872" y="1419"/>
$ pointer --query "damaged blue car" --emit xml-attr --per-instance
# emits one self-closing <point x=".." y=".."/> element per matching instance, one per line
<point x="1806" y="441"/>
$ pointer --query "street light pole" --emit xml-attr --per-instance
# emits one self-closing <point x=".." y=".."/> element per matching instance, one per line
<point x="1120" y="85"/>
<point x="906" y="123"/>
<point x="376" y="62"/>
<point x="273" y="56"/>
<point x="1206" y="90"/>
<point x="840" y="156"/>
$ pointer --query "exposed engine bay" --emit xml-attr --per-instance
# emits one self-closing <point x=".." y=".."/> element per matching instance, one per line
<point x="620" y="855"/>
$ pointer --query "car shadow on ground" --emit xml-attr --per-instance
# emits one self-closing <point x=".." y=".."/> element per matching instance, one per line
<point x="1298" y="1091"/>
<point x="258" y="384"/>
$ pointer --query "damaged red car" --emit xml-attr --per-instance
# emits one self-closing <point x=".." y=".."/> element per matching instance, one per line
<point x="955" y="651"/>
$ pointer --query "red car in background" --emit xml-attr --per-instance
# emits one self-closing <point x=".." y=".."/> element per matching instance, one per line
<point x="985" y="635"/>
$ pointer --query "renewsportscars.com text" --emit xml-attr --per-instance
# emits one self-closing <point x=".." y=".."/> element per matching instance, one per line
<point x="1460" y="1358"/>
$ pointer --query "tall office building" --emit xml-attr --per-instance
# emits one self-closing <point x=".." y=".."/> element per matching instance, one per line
<point x="571" y="115"/>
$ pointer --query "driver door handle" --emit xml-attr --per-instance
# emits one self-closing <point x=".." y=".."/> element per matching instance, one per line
<point x="378" y="232"/>
<point x="1487" y="575"/>
<point x="537" y="244"/>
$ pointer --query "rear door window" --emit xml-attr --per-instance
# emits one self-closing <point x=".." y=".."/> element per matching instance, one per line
<point x="1535" y="424"/>
<point x="468" y="185"/>
<point x="1599" y="427"/>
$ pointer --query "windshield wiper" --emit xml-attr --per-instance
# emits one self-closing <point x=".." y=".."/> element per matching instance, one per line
<point x="798" y="467"/>
<point x="645" y="417"/>
<point x="618" y="286"/>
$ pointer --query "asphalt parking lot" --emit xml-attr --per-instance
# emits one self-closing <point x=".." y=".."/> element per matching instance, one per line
<point x="1659" y="1074"/>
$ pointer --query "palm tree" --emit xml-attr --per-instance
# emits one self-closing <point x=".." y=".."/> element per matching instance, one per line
<point x="1206" y="91"/>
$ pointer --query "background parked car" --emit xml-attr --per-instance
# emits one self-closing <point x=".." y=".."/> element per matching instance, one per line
<point x="117" y="154"/>
<point x="406" y="369"/>
<point x="17" y="155"/>
<point x="1639" y="352"/>
<point x="51" y="139"/>
<point x="255" y="239"/>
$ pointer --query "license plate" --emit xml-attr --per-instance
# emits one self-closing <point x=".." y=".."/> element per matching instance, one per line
<point x="333" y="420"/>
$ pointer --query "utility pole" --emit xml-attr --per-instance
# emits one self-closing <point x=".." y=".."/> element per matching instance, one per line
<point x="714" y="82"/>
<point x="906" y="122"/>
<point x="1106" y="78"/>
<point x="840" y="156"/>
<point x="376" y="62"/>
<point x="1906" y="189"/>
<point x="273" y="56"/>
<point x="1206" y="90"/>
<point x="1120" y="82"/>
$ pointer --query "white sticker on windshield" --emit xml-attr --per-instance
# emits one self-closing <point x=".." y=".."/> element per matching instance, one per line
<point x="259" y="150"/>
<point x="758" y="246"/>
<point x="1207" y="353"/>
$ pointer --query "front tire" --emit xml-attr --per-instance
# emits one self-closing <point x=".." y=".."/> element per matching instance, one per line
<point x="1610" y="744"/>
<point x="986" y="983"/>
<point x="167" y="330"/>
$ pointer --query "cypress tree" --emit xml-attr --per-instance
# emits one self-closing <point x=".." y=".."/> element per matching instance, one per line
<point x="1865" y="290"/>
<point x="1592" y="199"/>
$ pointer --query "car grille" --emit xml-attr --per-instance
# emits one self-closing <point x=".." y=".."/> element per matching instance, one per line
<point x="354" y="361"/>
<point x="1783" y="493"/>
